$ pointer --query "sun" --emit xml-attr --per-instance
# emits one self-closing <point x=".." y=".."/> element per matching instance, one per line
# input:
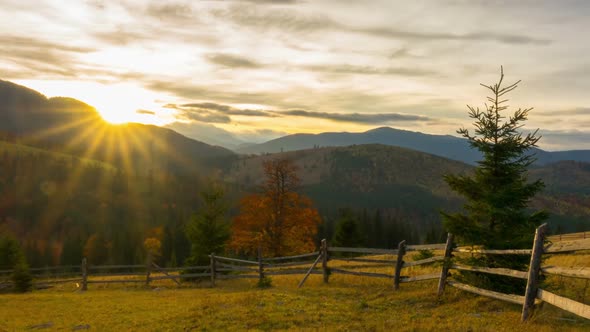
<point x="116" y="103"/>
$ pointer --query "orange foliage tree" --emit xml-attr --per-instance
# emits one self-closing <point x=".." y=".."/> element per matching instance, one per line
<point x="278" y="219"/>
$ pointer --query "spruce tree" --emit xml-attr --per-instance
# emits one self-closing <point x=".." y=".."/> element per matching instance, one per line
<point x="208" y="231"/>
<point x="498" y="192"/>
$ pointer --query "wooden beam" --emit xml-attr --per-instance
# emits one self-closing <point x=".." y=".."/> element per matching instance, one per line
<point x="497" y="271"/>
<point x="324" y="254"/>
<point x="533" y="274"/>
<point x="363" y="274"/>
<point x="424" y="261"/>
<point x="365" y="260"/>
<point x="212" y="267"/>
<point x="84" y="274"/>
<point x="416" y="247"/>
<point x="495" y="295"/>
<point x="580" y="309"/>
<point x="493" y="251"/>
<point x="444" y="272"/>
<point x="182" y="276"/>
<point x="235" y="260"/>
<point x="364" y="250"/>
<point x="270" y="266"/>
<point x="311" y="269"/>
<point x="567" y="246"/>
<point x="166" y="273"/>
<point x="579" y="272"/>
<point x="399" y="262"/>
<point x="313" y="254"/>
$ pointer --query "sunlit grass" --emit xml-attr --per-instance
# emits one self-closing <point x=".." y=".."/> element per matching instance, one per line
<point x="347" y="303"/>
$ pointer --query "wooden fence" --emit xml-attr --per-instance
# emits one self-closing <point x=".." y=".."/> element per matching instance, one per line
<point x="534" y="293"/>
<point x="222" y="268"/>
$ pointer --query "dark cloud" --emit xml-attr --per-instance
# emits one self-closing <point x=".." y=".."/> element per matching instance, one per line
<point x="564" y="139"/>
<point x="145" y="112"/>
<point x="370" y="118"/>
<point x="174" y="12"/>
<point x="199" y="115"/>
<point x="232" y="61"/>
<point x="227" y="109"/>
<point x="367" y="70"/>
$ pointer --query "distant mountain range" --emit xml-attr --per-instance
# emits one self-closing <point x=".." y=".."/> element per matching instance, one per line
<point x="72" y="126"/>
<point x="441" y="145"/>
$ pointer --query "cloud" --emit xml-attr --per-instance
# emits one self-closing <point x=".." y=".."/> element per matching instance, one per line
<point x="564" y="139"/>
<point x="561" y="113"/>
<point x="232" y="61"/>
<point x="290" y="21"/>
<point x="368" y="70"/>
<point x="200" y="115"/>
<point x="227" y="109"/>
<point x="369" y="118"/>
<point x="146" y="112"/>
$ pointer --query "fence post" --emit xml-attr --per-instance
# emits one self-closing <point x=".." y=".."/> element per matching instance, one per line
<point x="148" y="271"/>
<point x="212" y="268"/>
<point x="401" y="251"/>
<point x="533" y="276"/>
<point x="84" y="274"/>
<point x="446" y="264"/>
<point x="324" y="253"/>
<point x="260" y="265"/>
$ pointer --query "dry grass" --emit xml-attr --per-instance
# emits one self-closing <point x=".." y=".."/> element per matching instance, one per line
<point x="347" y="303"/>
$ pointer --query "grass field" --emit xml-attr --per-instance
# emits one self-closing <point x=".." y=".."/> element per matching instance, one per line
<point x="347" y="303"/>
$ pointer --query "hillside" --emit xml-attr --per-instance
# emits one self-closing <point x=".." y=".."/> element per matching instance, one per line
<point x="73" y="127"/>
<point x="410" y="185"/>
<point x="441" y="145"/>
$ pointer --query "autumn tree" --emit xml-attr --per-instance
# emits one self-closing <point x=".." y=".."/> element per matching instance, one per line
<point x="278" y="219"/>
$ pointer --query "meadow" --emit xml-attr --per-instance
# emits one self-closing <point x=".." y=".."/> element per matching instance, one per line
<point x="347" y="303"/>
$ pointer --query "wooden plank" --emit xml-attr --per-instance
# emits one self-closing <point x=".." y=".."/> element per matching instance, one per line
<point x="533" y="274"/>
<point x="435" y="246"/>
<point x="444" y="272"/>
<point x="364" y="250"/>
<point x="497" y="271"/>
<point x="476" y="250"/>
<point x="53" y="268"/>
<point x="577" y="308"/>
<point x="106" y="274"/>
<point x="567" y="246"/>
<point x="313" y="254"/>
<point x="363" y="274"/>
<point x="386" y="262"/>
<point x="421" y="277"/>
<point x="166" y="273"/>
<point x="575" y="272"/>
<point x="270" y="266"/>
<point x="104" y="267"/>
<point x="310" y="271"/>
<point x="424" y="261"/>
<point x="517" y="299"/>
<point x="324" y="254"/>
<point x="235" y="260"/>
<point x="399" y="262"/>
<point x="184" y="268"/>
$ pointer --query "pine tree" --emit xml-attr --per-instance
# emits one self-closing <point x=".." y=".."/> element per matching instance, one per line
<point x="208" y="231"/>
<point x="497" y="194"/>
<point x="348" y="232"/>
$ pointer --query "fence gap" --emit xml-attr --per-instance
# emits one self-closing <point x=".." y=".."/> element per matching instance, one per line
<point x="399" y="263"/>
<point x="446" y="264"/>
<point x="533" y="275"/>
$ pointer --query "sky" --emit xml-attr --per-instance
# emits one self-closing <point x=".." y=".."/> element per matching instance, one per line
<point x="247" y="71"/>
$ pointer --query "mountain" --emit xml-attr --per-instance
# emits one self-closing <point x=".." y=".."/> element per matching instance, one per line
<point x="441" y="145"/>
<point x="76" y="128"/>
<point x="410" y="183"/>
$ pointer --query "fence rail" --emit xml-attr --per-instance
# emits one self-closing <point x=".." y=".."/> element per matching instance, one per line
<point x="224" y="268"/>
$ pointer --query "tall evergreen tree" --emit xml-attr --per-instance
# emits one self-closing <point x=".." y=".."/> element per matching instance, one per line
<point x="208" y="230"/>
<point x="348" y="231"/>
<point x="497" y="193"/>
